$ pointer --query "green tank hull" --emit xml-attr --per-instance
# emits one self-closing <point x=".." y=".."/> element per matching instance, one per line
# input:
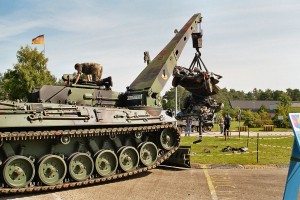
<point x="53" y="146"/>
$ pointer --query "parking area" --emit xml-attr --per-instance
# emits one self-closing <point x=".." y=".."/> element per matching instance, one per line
<point x="178" y="184"/>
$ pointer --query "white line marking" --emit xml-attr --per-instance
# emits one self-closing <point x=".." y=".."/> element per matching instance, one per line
<point x="210" y="185"/>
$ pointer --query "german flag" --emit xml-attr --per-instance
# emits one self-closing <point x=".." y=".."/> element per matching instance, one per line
<point x="38" y="40"/>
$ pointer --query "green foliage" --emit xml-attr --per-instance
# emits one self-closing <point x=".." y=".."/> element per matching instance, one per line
<point x="282" y="110"/>
<point x="266" y="95"/>
<point x="169" y="98"/>
<point x="249" y="118"/>
<point x="294" y="94"/>
<point x="2" y="91"/>
<point x="30" y="72"/>
<point x="262" y="109"/>
<point x="223" y="97"/>
<point x="256" y="119"/>
<point x="276" y="94"/>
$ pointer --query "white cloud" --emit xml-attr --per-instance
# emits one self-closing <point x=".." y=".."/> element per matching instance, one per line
<point x="13" y="28"/>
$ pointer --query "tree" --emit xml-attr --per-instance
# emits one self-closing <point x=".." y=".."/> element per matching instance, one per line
<point x="276" y="94"/>
<point x="30" y="72"/>
<point x="294" y="94"/>
<point x="266" y="95"/>
<point x="250" y="96"/>
<point x="249" y="118"/>
<point x="285" y="100"/>
<point x="2" y="91"/>
<point x="282" y="110"/>
<point x="170" y="98"/>
<point x="262" y="109"/>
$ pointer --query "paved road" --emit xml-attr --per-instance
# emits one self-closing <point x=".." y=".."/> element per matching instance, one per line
<point x="175" y="184"/>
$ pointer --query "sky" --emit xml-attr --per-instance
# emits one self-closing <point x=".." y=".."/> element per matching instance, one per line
<point x="251" y="43"/>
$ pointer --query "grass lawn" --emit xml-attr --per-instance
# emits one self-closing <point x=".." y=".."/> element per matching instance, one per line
<point x="271" y="150"/>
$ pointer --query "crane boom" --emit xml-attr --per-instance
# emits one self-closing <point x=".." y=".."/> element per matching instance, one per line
<point x="155" y="76"/>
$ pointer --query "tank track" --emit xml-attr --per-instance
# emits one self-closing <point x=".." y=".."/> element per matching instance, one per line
<point x="36" y="135"/>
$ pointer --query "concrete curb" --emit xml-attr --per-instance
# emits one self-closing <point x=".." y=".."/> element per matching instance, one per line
<point x="237" y="166"/>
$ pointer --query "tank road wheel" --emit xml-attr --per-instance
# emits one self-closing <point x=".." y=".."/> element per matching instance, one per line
<point x="52" y="169"/>
<point x="128" y="158"/>
<point x="106" y="162"/>
<point x="167" y="139"/>
<point x="81" y="166"/>
<point x="18" y="171"/>
<point x="148" y="153"/>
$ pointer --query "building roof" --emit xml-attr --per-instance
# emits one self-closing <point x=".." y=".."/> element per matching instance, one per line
<point x="256" y="104"/>
<point x="295" y="104"/>
<point x="253" y="104"/>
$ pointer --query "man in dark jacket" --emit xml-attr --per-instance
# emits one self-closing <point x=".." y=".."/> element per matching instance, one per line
<point x="93" y="71"/>
<point x="227" y="122"/>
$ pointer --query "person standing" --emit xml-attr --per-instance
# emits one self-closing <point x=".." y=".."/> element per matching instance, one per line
<point x="188" y="126"/>
<point x="227" y="122"/>
<point x="93" y="71"/>
<point x="221" y="124"/>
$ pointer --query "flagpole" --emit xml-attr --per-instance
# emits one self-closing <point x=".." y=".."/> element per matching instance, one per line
<point x="40" y="40"/>
<point x="44" y="46"/>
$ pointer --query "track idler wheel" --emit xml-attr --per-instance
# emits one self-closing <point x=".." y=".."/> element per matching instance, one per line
<point x="106" y="162"/>
<point x="148" y="153"/>
<point x="81" y="166"/>
<point x="168" y="139"/>
<point x="18" y="171"/>
<point x="52" y="169"/>
<point x="128" y="158"/>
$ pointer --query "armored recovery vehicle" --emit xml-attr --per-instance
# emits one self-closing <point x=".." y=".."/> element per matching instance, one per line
<point x="82" y="134"/>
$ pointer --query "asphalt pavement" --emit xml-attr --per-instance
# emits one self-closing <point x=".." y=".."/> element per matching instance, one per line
<point x="180" y="184"/>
